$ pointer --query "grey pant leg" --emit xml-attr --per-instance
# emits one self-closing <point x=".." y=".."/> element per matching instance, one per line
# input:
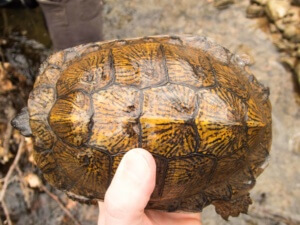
<point x="73" y="22"/>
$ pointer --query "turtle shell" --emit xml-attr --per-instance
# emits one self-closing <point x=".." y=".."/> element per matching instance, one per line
<point x="188" y="101"/>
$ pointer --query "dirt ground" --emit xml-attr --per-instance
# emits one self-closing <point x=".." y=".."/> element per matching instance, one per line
<point x="277" y="192"/>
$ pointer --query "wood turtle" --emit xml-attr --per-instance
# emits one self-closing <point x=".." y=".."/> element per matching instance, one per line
<point x="190" y="102"/>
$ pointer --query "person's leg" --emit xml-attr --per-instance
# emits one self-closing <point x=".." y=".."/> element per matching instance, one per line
<point x="18" y="3"/>
<point x="73" y="22"/>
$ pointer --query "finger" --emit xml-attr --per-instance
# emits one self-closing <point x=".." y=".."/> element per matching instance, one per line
<point x="159" y="217"/>
<point x="130" y="189"/>
<point x="101" y="219"/>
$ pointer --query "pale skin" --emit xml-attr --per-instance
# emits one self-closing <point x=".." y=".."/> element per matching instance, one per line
<point x="130" y="191"/>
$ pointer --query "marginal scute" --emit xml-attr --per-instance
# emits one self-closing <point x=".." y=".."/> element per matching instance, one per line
<point x="48" y="77"/>
<point x="220" y="53"/>
<point x="111" y="44"/>
<point x="166" y="39"/>
<point x="58" y="179"/>
<point x="42" y="133"/>
<point x="140" y="65"/>
<point x="167" y="205"/>
<point x="70" y="118"/>
<point x="40" y="101"/>
<point x="185" y="176"/>
<point x="260" y="92"/>
<point x="205" y="44"/>
<point x="194" y="203"/>
<point x="196" y="42"/>
<point x="167" y="127"/>
<point x="70" y="54"/>
<point x="56" y="60"/>
<point x="51" y="171"/>
<point x="83" y="166"/>
<point x="86" y="48"/>
<point x="233" y="207"/>
<point x="266" y="140"/>
<point x="258" y="159"/>
<point x="219" y="192"/>
<point x="227" y="166"/>
<point x="116" y="110"/>
<point x="242" y="181"/>
<point x="44" y="160"/>
<point x="220" y="121"/>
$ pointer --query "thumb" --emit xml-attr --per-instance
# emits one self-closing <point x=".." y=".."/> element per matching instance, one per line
<point x="130" y="190"/>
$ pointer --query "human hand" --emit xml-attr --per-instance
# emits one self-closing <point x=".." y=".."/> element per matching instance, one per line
<point x="130" y="191"/>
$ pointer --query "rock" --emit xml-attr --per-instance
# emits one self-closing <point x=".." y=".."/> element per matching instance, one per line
<point x="254" y="11"/>
<point x="273" y="28"/>
<point x="281" y="43"/>
<point x="277" y="9"/>
<point x="16" y="203"/>
<point x="260" y="2"/>
<point x="280" y="24"/>
<point x="244" y="60"/>
<point x="292" y="32"/>
<point x="244" y="55"/>
<point x="289" y="46"/>
<point x="292" y="16"/>
<point x="223" y="4"/>
<point x="288" y="61"/>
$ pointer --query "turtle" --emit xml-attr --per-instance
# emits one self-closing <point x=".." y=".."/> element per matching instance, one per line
<point x="191" y="103"/>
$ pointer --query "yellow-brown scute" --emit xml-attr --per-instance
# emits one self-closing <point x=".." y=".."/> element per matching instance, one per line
<point x="139" y="65"/>
<point x="230" y="78"/>
<point x="89" y="73"/>
<point x="257" y="121"/>
<point x="220" y="121"/>
<point x="164" y="122"/>
<point x="70" y="118"/>
<point x="189" y="66"/>
<point x="116" y="111"/>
